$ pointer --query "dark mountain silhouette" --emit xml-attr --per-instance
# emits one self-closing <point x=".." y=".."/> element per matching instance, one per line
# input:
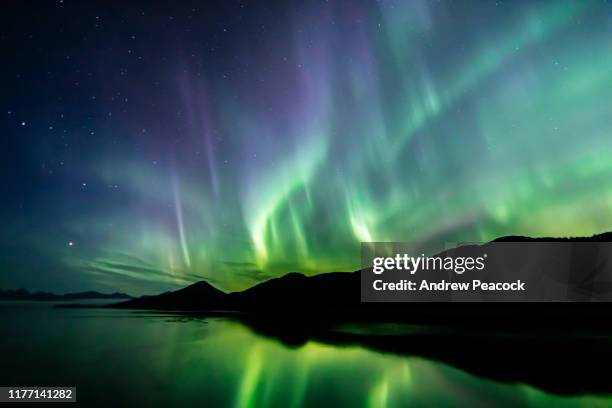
<point x="336" y="296"/>
<point x="199" y="296"/>
<point x="549" y="345"/>
<point x="293" y="291"/>
<point x="22" y="294"/>
<point x="603" y="237"/>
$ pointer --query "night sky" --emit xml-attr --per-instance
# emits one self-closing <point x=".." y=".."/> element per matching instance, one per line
<point x="146" y="146"/>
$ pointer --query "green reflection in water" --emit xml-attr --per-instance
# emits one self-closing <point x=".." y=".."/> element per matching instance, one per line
<point x="140" y="359"/>
<point x="268" y="373"/>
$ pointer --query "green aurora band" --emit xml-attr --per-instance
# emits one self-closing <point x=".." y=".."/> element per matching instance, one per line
<point x="387" y="121"/>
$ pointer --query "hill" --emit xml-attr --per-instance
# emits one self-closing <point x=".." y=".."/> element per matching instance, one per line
<point x="336" y="295"/>
<point x="22" y="294"/>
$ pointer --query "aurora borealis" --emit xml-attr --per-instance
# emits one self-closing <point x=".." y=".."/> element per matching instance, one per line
<point x="150" y="146"/>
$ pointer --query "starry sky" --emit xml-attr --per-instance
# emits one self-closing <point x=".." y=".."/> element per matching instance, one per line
<point x="150" y="145"/>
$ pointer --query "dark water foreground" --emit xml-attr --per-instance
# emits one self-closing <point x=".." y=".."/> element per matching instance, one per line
<point x="122" y="358"/>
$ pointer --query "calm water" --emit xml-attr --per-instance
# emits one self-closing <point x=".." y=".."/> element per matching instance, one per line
<point x="122" y="358"/>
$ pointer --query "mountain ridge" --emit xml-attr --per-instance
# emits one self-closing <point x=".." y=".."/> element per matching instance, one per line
<point x="23" y="294"/>
<point x="332" y="292"/>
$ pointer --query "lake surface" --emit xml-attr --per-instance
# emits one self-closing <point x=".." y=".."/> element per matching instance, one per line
<point x="117" y="358"/>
